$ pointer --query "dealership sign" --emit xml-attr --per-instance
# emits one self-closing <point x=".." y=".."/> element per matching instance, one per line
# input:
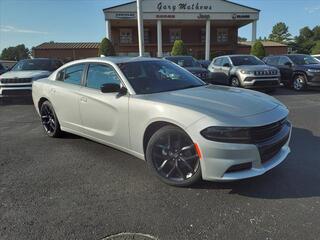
<point x="183" y="6"/>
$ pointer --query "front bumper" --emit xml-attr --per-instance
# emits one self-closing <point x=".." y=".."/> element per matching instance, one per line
<point x="313" y="79"/>
<point x="261" y="82"/>
<point x="229" y="162"/>
<point x="15" y="90"/>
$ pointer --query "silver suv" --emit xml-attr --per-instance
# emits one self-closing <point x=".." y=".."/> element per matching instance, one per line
<point x="243" y="71"/>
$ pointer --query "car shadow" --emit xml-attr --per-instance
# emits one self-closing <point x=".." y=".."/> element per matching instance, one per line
<point x="297" y="177"/>
<point x="26" y="100"/>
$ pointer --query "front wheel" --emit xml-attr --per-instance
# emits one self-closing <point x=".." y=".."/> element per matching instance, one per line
<point x="49" y="120"/>
<point x="172" y="156"/>
<point x="299" y="82"/>
<point x="235" y="82"/>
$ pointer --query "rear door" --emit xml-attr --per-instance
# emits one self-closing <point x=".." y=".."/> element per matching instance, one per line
<point x="217" y="75"/>
<point x="64" y="95"/>
<point x="104" y="115"/>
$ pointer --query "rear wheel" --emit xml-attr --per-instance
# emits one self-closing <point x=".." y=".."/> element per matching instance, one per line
<point x="299" y="82"/>
<point x="49" y="120"/>
<point x="172" y="156"/>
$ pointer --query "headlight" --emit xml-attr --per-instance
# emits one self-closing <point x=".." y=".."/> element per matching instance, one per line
<point x="247" y="72"/>
<point x="227" y="134"/>
<point x="314" y="70"/>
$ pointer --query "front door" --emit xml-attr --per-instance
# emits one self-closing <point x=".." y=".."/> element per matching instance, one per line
<point x="285" y="67"/>
<point x="104" y="115"/>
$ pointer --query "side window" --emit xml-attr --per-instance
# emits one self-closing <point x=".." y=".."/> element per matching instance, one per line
<point x="60" y="76"/>
<point x="99" y="74"/>
<point x="224" y="61"/>
<point x="73" y="74"/>
<point x="283" y="60"/>
<point x="217" y="62"/>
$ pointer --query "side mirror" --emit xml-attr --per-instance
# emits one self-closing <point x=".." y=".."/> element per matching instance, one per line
<point x="112" y="87"/>
<point x="289" y="64"/>
<point x="227" y="65"/>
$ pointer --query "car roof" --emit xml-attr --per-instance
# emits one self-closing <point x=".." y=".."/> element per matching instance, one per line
<point x="236" y="55"/>
<point x="182" y="56"/>
<point x="115" y="59"/>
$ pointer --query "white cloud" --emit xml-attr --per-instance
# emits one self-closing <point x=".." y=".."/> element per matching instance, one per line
<point x="5" y="28"/>
<point x="313" y="9"/>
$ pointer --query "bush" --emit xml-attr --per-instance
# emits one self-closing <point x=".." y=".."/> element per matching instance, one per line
<point x="258" y="50"/>
<point x="106" y="48"/>
<point x="178" y="48"/>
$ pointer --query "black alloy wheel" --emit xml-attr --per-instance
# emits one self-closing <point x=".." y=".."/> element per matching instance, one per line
<point x="49" y="120"/>
<point x="172" y="155"/>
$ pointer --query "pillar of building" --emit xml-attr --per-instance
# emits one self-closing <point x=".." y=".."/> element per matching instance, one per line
<point x="159" y="38"/>
<point x="108" y="29"/>
<point x="208" y="27"/>
<point x="140" y="28"/>
<point x="254" y="31"/>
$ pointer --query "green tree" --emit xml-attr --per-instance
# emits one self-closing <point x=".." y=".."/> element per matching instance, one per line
<point x="15" y="53"/>
<point x="258" y="50"/>
<point x="242" y="39"/>
<point x="280" y="33"/>
<point x="106" y="48"/>
<point x="316" y="48"/>
<point x="179" y="48"/>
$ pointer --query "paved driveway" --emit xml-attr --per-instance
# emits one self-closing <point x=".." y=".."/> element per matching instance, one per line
<point x="73" y="188"/>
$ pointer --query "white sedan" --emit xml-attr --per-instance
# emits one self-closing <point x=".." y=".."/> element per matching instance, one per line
<point x="159" y="112"/>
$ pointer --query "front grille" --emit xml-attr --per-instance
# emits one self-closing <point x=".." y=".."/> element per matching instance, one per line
<point x="261" y="134"/>
<point x="265" y="72"/>
<point x="16" y="80"/>
<point x="266" y="83"/>
<point x="239" y="167"/>
<point x="269" y="148"/>
<point x="22" y="92"/>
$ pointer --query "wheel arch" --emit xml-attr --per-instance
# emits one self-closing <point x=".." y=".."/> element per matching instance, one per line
<point x="152" y="128"/>
<point x="41" y="101"/>
<point x="297" y="73"/>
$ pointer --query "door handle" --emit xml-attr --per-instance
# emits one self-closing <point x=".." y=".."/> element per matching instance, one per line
<point x="83" y="99"/>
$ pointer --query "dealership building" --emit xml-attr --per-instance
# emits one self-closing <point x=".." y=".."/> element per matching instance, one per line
<point x="207" y="28"/>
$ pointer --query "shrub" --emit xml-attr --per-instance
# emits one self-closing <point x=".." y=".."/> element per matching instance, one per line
<point x="258" y="50"/>
<point x="106" y="48"/>
<point x="178" y="48"/>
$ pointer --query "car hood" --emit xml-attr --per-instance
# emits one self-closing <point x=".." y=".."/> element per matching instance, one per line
<point x="196" y="69"/>
<point x="25" y="74"/>
<point x="220" y="101"/>
<point x="256" y="67"/>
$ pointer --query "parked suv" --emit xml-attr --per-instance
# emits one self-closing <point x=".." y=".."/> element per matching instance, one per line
<point x="192" y="65"/>
<point x="18" y="81"/>
<point x="244" y="71"/>
<point x="297" y="70"/>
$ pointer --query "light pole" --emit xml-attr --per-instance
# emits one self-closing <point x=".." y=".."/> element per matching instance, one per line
<point x="140" y="28"/>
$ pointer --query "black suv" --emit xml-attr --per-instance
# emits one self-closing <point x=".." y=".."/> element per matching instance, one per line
<point x="297" y="70"/>
<point x="192" y="65"/>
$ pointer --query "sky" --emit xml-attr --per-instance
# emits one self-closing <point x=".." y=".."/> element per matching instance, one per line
<point x="33" y="22"/>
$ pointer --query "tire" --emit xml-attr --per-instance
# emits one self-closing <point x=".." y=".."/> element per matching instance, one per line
<point x="172" y="156"/>
<point x="299" y="82"/>
<point x="49" y="120"/>
<point x="235" y="82"/>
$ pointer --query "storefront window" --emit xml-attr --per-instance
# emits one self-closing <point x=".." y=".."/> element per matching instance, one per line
<point x="146" y="35"/>
<point x="175" y="34"/>
<point x="125" y="35"/>
<point x="222" y="35"/>
<point x="203" y="35"/>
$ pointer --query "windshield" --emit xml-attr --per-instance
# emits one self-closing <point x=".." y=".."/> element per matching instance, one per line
<point x="37" y="64"/>
<point x="148" y="77"/>
<point x="184" y="61"/>
<point x="246" y="60"/>
<point x="303" y="59"/>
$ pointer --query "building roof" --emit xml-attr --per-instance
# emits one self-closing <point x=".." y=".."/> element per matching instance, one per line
<point x="264" y="43"/>
<point x="134" y="2"/>
<point x="68" y="45"/>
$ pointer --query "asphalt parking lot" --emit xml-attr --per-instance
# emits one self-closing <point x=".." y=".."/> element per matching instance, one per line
<point x="73" y="188"/>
